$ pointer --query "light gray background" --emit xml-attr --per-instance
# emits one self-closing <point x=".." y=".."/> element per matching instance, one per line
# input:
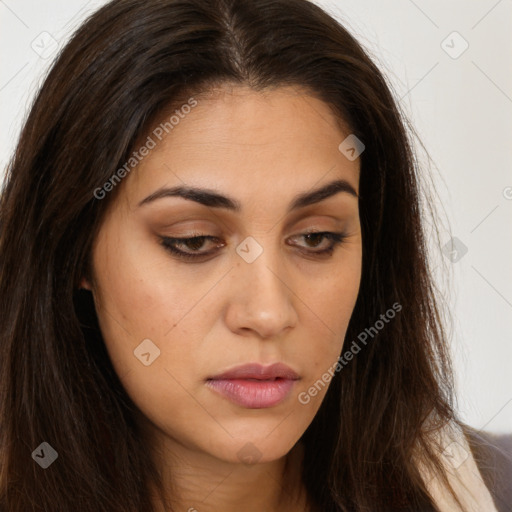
<point x="461" y="107"/>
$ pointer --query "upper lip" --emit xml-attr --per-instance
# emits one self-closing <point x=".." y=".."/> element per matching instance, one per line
<point x="257" y="371"/>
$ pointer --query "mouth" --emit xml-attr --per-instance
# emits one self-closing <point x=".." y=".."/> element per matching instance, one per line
<point x="254" y="386"/>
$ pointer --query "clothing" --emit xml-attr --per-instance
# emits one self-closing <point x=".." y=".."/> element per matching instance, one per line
<point x="493" y="456"/>
<point x="476" y="493"/>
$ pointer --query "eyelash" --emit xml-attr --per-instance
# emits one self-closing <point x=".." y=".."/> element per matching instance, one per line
<point x="169" y="244"/>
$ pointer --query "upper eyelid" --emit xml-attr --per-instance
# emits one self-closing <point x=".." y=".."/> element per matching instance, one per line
<point x="193" y="236"/>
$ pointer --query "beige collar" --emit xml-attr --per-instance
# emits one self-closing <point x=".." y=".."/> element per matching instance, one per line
<point x="463" y="475"/>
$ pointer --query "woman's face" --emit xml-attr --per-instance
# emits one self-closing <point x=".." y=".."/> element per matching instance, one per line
<point x="260" y="292"/>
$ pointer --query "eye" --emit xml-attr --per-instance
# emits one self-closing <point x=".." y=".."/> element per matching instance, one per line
<point x="317" y="237"/>
<point x="190" y="248"/>
<point x="192" y="244"/>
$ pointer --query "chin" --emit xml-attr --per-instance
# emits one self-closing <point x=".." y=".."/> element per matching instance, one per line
<point x="255" y="449"/>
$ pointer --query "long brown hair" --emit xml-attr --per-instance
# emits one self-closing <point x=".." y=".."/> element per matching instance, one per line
<point x="128" y="63"/>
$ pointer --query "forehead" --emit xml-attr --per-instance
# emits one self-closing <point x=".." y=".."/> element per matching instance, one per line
<point x="246" y="141"/>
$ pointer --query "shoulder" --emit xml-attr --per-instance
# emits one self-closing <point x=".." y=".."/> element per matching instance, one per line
<point x="455" y="447"/>
<point x="493" y="456"/>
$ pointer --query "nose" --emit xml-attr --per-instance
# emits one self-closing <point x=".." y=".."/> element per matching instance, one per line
<point x="261" y="296"/>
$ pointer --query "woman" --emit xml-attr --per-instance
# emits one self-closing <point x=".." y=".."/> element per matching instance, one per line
<point x="214" y="284"/>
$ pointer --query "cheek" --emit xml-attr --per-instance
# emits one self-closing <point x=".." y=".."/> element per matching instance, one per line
<point x="148" y="317"/>
<point x="139" y="297"/>
<point x="331" y="303"/>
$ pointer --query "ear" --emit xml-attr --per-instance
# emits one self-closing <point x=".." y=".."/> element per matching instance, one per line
<point x="84" y="283"/>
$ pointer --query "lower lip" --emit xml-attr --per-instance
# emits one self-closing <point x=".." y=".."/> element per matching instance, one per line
<point x="253" y="394"/>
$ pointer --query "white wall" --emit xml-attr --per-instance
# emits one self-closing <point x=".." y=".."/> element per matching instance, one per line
<point x="462" y="109"/>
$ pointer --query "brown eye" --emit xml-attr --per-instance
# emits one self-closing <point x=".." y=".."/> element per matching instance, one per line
<point x="315" y="238"/>
<point x="192" y="245"/>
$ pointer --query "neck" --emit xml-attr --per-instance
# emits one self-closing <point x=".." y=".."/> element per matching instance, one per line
<point x="198" y="482"/>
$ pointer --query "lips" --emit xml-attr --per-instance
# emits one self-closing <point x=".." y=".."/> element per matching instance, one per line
<point x="254" y="386"/>
<point x="259" y="372"/>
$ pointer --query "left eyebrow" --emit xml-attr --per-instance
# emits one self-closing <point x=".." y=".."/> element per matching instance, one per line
<point x="215" y="200"/>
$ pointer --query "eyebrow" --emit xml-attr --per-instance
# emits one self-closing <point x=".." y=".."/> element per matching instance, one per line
<point x="213" y="199"/>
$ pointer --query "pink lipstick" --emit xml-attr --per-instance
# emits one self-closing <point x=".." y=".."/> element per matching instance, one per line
<point x="255" y="386"/>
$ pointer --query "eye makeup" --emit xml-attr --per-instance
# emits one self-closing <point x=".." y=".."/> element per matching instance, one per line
<point x="188" y="248"/>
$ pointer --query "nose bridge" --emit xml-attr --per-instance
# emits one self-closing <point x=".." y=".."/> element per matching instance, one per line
<point x="264" y="301"/>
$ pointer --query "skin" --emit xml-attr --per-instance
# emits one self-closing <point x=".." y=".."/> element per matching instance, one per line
<point x="262" y="149"/>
